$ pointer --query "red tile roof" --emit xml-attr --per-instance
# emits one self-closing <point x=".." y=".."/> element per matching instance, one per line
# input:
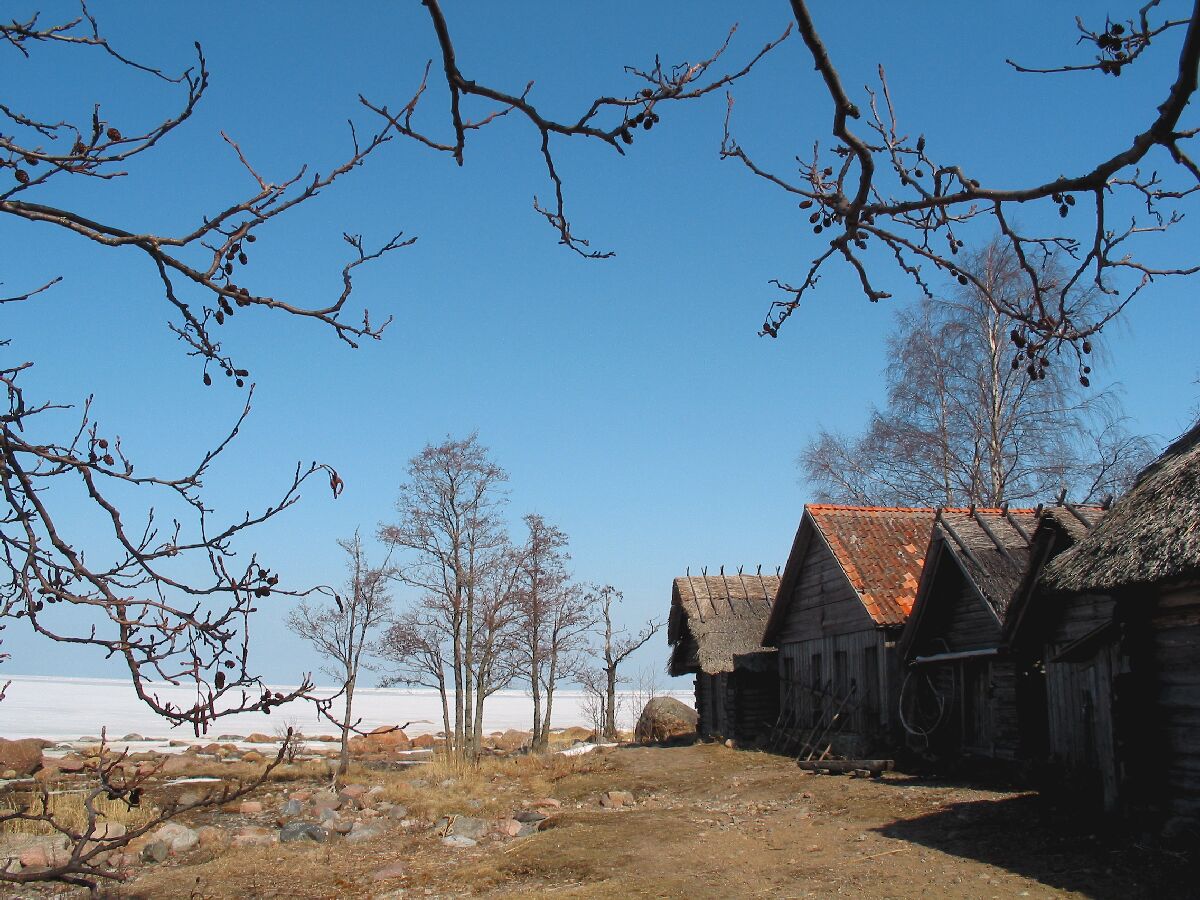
<point x="882" y="551"/>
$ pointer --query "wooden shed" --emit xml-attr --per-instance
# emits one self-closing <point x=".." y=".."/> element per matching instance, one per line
<point x="715" y="631"/>
<point x="1125" y="623"/>
<point x="959" y="694"/>
<point x="846" y="592"/>
<point x="1028" y="630"/>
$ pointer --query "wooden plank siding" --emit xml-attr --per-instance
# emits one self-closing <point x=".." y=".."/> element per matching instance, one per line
<point x="1173" y="647"/>
<point x="980" y="694"/>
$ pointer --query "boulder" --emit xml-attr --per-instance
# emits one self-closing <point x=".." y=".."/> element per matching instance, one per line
<point x="293" y="807"/>
<point x="251" y="807"/>
<point x="665" y="719"/>
<point x="155" y="852"/>
<point x="175" y="765"/>
<point x="230" y="737"/>
<point x="43" y="852"/>
<point x="528" y="816"/>
<point x="363" y="832"/>
<point x="260" y="738"/>
<point x="212" y="838"/>
<point x="471" y="827"/>
<point x="24" y="756"/>
<point x="133" y="736"/>
<point x="384" y="739"/>
<point x="252" y="836"/>
<point x="510" y="827"/>
<point x="513" y="740"/>
<point x="302" y="831"/>
<point x="177" y="836"/>
<point x="423" y="742"/>
<point x="457" y="840"/>
<point x="253" y="756"/>
<point x="569" y="736"/>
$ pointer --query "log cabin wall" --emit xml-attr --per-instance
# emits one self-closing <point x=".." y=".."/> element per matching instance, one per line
<point x="1167" y="679"/>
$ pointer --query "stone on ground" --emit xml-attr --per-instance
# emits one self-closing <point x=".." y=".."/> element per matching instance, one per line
<point x="665" y="719"/>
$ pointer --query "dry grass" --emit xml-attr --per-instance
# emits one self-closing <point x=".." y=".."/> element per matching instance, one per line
<point x="495" y="787"/>
<point x="67" y="807"/>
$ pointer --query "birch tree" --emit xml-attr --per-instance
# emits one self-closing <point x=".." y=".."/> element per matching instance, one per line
<point x="966" y="424"/>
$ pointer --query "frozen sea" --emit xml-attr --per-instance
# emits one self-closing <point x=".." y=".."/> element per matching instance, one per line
<point x="65" y="709"/>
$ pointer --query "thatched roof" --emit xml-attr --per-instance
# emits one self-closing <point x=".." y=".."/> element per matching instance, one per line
<point x="992" y="548"/>
<point x="723" y="615"/>
<point x="989" y="547"/>
<point x="1151" y="534"/>
<point x="1058" y="528"/>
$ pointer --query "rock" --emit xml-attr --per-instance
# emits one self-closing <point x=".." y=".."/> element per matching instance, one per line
<point x="155" y="852"/>
<point x="133" y="736"/>
<point x="527" y="829"/>
<point x="302" y="796"/>
<point x="513" y="740"/>
<point x="175" y="743"/>
<point x="529" y="816"/>
<point x="569" y="736"/>
<point x="363" y="832"/>
<point x="302" y="831"/>
<point x="43" y="852"/>
<point x="71" y="764"/>
<point x="510" y="827"/>
<point x="665" y="719"/>
<point x="423" y="742"/>
<point x="210" y="749"/>
<point x="292" y="808"/>
<point x="176" y="765"/>
<point x="457" y="840"/>
<point x="616" y="799"/>
<point x="190" y="798"/>
<point x="251" y="807"/>
<point x="398" y="812"/>
<point x="547" y="802"/>
<point x="259" y="738"/>
<point x="177" y="836"/>
<point x="253" y="756"/>
<point x="469" y="826"/>
<point x="324" y="800"/>
<point x="384" y="739"/>
<point x="395" y="870"/>
<point x="252" y="836"/>
<point x="212" y="838"/>
<point x="24" y="757"/>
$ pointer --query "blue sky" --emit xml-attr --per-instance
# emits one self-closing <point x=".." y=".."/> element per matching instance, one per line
<point x="631" y="400"/>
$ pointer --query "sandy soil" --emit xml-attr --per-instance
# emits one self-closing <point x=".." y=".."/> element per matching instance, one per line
<point x="714" y="822"/>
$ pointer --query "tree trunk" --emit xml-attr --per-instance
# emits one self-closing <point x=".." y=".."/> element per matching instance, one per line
<point x="535" y="687"/>
<point x="344" y="756"/>
<point x="610" y="710"/>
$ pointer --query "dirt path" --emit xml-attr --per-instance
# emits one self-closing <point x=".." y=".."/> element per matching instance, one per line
<point x="712" y="822"/>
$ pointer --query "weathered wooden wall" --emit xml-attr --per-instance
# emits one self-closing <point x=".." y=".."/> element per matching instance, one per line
<point x="981" y="692"/>
<point x="1174" y="666"/>
<point x="829" y="642"/>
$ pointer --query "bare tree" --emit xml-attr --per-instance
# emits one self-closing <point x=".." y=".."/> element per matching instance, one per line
<point x="880" y="194"/>
<point x="964" y="426"/>
<point x="554" y="619"/>
<point x="343" y="630"/>
<point x="414" y="647"/>
<point x="457" y="554"/>
<point x="616" y="645"/>
<point x="162" y="584"/>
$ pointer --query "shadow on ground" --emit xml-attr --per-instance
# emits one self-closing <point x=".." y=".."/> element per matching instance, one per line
<point x="1056" y="844"/>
